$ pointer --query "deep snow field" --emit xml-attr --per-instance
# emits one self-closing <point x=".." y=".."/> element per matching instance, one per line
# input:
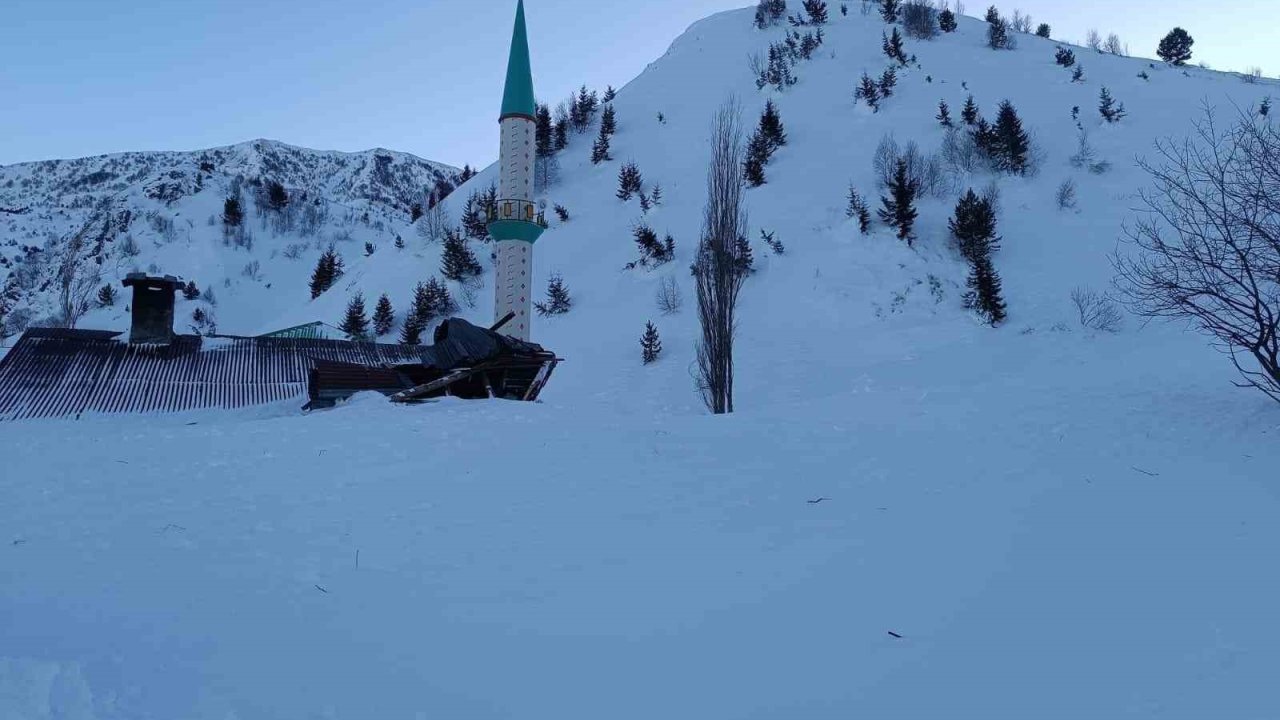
<point x="911" y="516"/>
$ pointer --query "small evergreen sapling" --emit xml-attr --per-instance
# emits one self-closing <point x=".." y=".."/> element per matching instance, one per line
<point x="1044" y="30"/>
<point x="1265" y="108"/>
<point x="608" y="121"/>
<point x="756" y="156"/>
<point x="893" y="47"/>
<point x="858" y="209"/>
<point x="746" y="260"/>
<point x="947" y="20"/>
<point x="774" y="244"/>
<point x="1013" y="145"/>
<point x="600" y="148"/>
<point x="869" y="92"/>
<point x="888" y="81"/>
<point x="190" y="291"/>
<point x="558" y="301"/>
<point x="944" y="114"/>
<point x="609" y="94"/>
<point x="1077" y="76"/>
<point x="107" y="295"/>
<point x="562" y="213"/>
<point x="1110" y="110"/>
<point x="650" y="344"/>
<point x="970" y="112"/>
<point x="898" y="207"/>
<point x="383" y="316"/>
<point x="771" y="127"/>
<point x="890" y="10"/>
<point x="655" y="195"/>
<point x="984" y="291"/>
<point x="355" y="323"/>
<point x="1064" y="56"/>
<point x="457" y="261"/>
<point x="630" y="181"/>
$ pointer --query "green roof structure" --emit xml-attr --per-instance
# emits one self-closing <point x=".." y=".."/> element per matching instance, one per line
<point x="517" y="98"/>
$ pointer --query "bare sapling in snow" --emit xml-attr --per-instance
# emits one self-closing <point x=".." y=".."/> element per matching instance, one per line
<point x="1095" y="310"/>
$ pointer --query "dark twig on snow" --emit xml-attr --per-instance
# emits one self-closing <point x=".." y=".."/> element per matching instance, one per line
<point x="894" y="634"/>
<point x="1148" y="473"/>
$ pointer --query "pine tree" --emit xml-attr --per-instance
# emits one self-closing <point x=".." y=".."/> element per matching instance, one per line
<point x="1065" y="56"/>
<point x="1110" y="110"/>
<point x="858" y="209"/>
<point x="998" y="35"/>
<point x="440" y="302"/>
<point x="420" y="315"/>
<point x="474" y="222"/>
<point x="1013" y="143"/>
<point x="1265" y="108"/>
<point x="771" y="127"/>
<point x="600" y="148"/>
<point x="651" y="249"/>
<point x="817" y="11"/>
<point x="746" y="260"/>
<point x="889" y="10"/>
<point x="1175" y="48"/>
<point x="355" y="323"/>
<point x="774" y="244"/>
<point x="894" y="49"/>
<point x="1044" y="30"/>
<point x="609" y="94"/>
<point x="561" y="134"/>
<point x="869" y="91"/>
<point x="383" y="316"/>
<point x="562" y="212"/>
<point x="993" y="15"/>
<point x="888" y="81"/>
<point x="944" y="114"/>
<point x="947" y="20"/>
<point x="974" y="226"/>
<point x="650" y="344"/>
<point x="898" y="209"/>
<point x="756" y="157"/>
<point x="232" y="212"/>
<point x="1078" y="74"/>
<point x="970" y="112"/>
<point x="608" y="121"/>
<point x="558" y="300"/>
<point x="544" y="133"/>
<point x="328" y="270"/>
<point x="106" y="295"/>
<point x="190" y="291"/>
<point x="630" y="181"/>
<point x="399" y="242"/>
<point x="458" y="262"/>
<point x="988" y="143"/>
<point x="984" y="294"/>
<point x="655" y="196"/>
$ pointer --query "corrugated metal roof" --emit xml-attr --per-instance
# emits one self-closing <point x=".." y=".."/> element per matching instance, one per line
<point x="61" y="373"/>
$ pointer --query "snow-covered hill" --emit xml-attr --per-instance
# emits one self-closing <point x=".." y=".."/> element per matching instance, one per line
<point x="911" y="515"/>
<point x="162" y="212"/>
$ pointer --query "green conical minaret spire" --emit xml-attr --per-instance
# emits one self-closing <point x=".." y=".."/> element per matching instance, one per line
<point x="517" y="98"/>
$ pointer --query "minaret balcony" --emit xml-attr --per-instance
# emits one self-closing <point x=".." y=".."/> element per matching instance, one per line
<point x="513" y="219"/>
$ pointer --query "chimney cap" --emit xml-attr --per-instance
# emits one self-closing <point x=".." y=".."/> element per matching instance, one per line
<point x="151" y="281"/>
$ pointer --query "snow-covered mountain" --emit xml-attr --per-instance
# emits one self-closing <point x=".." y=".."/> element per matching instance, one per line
<point x="162" y="212"/>
<point x="910" y="515"/>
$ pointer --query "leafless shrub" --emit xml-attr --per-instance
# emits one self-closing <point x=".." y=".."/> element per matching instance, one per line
<point x="717" y="269"/>
<point x="1207" y="248"/>
<point x="1114" y="46"/>
<point x="252" y="270"/>
<point x="920" y="19"/>
<point x="669" y="297"/>
<point x="432" y="225"/>
<point x="1086" y="157"/>
<point x="1094" y="40"/>
<point x="991" y="193"/>
<point x="1096" y="310"/>
<point x="1021" y="22"/>
<point x="77" y="277"/>
<point x="1252" y="75"/>
<point x="926" y="170"/>
<point x="1066" y="195"/>
<point x="293" y="251"/>
<point x="960" y="154"/>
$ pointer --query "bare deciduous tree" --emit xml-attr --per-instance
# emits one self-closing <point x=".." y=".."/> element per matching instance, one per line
<point x="1207" y="248"/>
<point x="717" y="269"/>
<point x="1094" y="40"/>
<point x="77" y="277"/>
<point x="669" y="297"/>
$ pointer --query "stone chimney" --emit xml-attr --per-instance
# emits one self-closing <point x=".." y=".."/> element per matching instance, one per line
<point x="152" y="308"/>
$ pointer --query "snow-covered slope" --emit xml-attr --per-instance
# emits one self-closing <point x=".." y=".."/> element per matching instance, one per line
<point x="162" y="212"/>
<point x="1051" y="522"/>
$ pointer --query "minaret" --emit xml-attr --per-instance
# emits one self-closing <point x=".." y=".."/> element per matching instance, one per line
<point x="515" y="227"/>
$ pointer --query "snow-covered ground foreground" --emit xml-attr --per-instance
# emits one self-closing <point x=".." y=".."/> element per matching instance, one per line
<point x="1058" y="526"/>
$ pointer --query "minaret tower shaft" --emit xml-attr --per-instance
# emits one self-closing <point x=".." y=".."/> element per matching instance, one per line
<point x="515" y="227"/>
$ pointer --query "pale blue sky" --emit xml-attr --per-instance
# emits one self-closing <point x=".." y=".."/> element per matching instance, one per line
<point x="82" y="77"/>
